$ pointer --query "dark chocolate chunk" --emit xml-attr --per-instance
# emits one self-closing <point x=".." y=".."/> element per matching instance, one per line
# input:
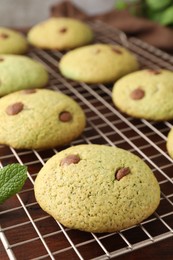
<point x="4" y="36"/>
<point x="97" y="51"/>
<point x="29" y="91"/>
<point x="118" y="51"/>
<point x="72" y="158"/>
<point x="14" y="109"/>
<point x="155" y="72"/>
<point x="121" y="173"/>
<point x="137" y="93"/>
<point x="65" y="116"/>
<point x="63" y="30"/>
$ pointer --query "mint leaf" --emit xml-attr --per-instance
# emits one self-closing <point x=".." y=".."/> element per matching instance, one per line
<point x="158" y="5"/>
<point x="12" y="179"/>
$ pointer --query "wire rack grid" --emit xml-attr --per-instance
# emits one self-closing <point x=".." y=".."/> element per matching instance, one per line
<point x="29" y="233"/>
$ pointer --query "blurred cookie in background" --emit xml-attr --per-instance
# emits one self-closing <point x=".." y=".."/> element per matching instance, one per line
<point x="12" y="42"/>
<point x="98" y="63"/>
<point x="60" y="33"/>
<point x="20" y="72"/>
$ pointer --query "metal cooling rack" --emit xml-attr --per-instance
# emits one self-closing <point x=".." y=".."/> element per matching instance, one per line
<point x="29" y="233"/>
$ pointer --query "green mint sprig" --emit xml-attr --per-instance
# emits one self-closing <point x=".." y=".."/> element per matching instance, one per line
<point x="12" y="179"/>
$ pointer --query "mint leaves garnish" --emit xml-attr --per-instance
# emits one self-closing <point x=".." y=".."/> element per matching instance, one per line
<point x="12" y="179"/>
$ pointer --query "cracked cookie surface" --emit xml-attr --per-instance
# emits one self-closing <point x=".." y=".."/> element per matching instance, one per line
<point x="98" y="63"/>
<point x="60" y="33"/>
<point x="97" y="188"/>
<point x="20" y="72"/>
<point x="12" y="42"/>
<point x="145" y="94"/>
<point x="32" y="119"/>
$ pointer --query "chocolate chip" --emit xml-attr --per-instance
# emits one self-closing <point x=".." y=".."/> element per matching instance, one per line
<point x="118" y="51"/>
<point x="97" y="51"/>
<point x="63" y="30"/>
<point x="138" y="93"/>
<point x="1" y="59"/>
<point x="72" y="158"/>
<point x="4" y="35"/>
<point x="14" y="109"/>
<point x="65" y="116"/>
<point x="121" y="173"/>
<point x="29" y="91"/>
<point x="155" y="72"/>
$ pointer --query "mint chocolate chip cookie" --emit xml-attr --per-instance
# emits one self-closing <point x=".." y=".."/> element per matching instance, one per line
<point x="98" y="63"/>
<point x="39" y="118"/>
<point x="20" y="72"/>
<point x="60" y="33"/>
<point x="145" y="94"/>
<point x="84" y="189"/>
<point x="12" y="42"/>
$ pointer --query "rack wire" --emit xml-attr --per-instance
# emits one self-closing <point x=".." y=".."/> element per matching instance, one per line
<point x="29" y="233"/>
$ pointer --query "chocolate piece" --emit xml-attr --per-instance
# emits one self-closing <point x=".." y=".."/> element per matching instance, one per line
<point x="14" y="109"/>
<point x="118" y="51"/>
<point x="65" y="116"/>
<point x="1" y="59"/>
<point x="63" y="30"/>
<point x="4" y="36"/>
<point x="97" y="51"/>
<point x="137" y="93"/>
<point x="122" y="172"/>
<point x="72" y="158"/>
<point x="155" y="72"/>
<point x="29" y="91"/>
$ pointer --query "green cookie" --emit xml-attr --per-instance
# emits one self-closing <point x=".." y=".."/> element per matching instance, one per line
<point x="145" y="94"/>
<point x="84" y="189"/>
<point x="20" y="72"/>
<point x="12" y="42"/>
<point x="60" y="33"/>
<point x="169" y="143"/>
<point x="98" y="63"/>
<point x="39" y="118"/>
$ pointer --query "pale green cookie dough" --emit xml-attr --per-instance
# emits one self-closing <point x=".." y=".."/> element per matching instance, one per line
<point x="169" y="143"/>
<point x="20" y="72"/>
<point x="98" y="63"/>
<point x="40" y="118"/>
<point x="60" y="33"/>
<point x="12" y="42"/>
<point x="145" y="94"/>
<point x="97" y="188"/>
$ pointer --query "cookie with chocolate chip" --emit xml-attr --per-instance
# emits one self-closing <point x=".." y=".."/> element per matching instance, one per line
<point x="12" y="42"/>
<point x="60" y="33"/>
<point x="20" y="72"/>
<point x="98" y="63"/>
<point x="39" y="118"/>
<point x="84" y="189"/>
<point x="145" y="94"/>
